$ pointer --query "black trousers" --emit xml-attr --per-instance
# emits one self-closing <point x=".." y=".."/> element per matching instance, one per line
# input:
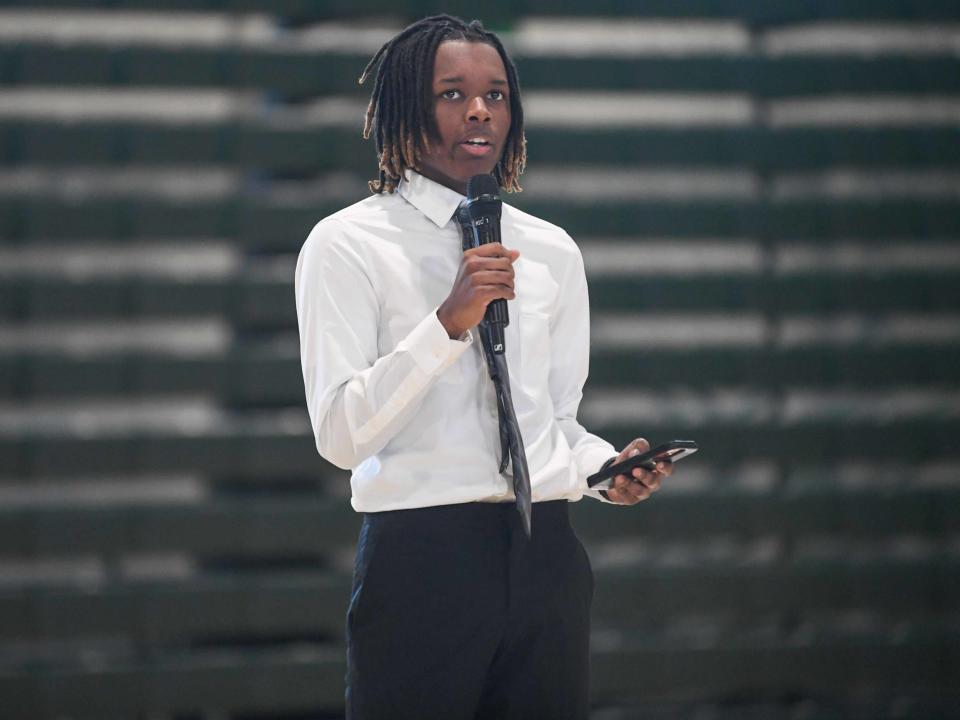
<point x="456" y="614"/>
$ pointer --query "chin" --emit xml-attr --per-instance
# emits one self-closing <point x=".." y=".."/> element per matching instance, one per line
<point x="477" y="169"/>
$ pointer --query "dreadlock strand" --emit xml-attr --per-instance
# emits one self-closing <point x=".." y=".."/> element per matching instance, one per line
<point x="368" y="119"/>
<point x="373" y="61"/>
<point x="410" y="155"/>
<point x="428" y="121"/>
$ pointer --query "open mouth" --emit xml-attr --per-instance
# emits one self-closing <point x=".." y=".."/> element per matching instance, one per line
<point x="477" y="146"/>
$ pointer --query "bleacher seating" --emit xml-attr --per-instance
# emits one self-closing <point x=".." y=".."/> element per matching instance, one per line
<point x="805" y="564"/>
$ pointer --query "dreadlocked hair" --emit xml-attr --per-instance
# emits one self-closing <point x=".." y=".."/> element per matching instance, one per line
<point x="400" y="114"/>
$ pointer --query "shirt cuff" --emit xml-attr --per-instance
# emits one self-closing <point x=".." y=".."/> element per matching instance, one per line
<point x="599" y="493"/>
<point x="431" y="347"/>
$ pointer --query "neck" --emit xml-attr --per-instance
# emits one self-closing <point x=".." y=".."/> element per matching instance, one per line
<point x="454" y="184"/>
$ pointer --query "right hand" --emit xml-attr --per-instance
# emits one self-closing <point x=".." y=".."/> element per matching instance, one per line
<point x="485" y="274"/>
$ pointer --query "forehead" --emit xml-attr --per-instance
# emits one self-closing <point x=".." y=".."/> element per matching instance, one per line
<point x="468" y="61"/>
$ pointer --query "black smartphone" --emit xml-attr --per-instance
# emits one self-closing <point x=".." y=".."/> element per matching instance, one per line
<point x="673" y="451"/>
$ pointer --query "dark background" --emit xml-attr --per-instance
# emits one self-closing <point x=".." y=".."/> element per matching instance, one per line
<point x="767" y="196"/>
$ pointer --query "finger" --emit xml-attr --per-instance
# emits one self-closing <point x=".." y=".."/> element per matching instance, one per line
<point x="630" y="488"/>
<point x="494" y="250"/>
<point x="665" y="468"/>
<point x="489" y="293"/>
<point x="639" y="491"/>
<point x="476" y="264"/>
<point x="647" y="478"/>
<point x="496" y="262"/>
<point x="492" y="277"/>
<point x="628" y="452"/>
<point x="639" y="444"/>
<point x="621" y="496"/>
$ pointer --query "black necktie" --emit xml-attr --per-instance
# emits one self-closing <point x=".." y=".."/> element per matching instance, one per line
<point x="511" y="442"/>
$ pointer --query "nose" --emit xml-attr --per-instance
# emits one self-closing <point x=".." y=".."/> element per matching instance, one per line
<point x="477" y="111"/>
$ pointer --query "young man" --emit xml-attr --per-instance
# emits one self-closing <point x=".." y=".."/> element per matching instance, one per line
<point x="454" y="613"/>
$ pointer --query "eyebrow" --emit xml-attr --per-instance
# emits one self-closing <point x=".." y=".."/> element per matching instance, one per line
<point x="459" y="79"/>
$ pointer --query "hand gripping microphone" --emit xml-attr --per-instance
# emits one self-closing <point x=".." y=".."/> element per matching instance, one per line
<point x="484" y="206"/>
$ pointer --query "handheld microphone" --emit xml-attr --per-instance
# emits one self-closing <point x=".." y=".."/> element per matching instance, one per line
<point x="484" y="208"/>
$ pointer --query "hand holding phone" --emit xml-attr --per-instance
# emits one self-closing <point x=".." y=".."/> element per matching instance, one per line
<point x="673" y="451"/>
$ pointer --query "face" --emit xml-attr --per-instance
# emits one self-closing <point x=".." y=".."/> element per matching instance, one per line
<point x="471" y="102"/>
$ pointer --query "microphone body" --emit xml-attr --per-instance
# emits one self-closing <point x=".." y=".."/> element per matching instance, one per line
<point x="484" y="207"/>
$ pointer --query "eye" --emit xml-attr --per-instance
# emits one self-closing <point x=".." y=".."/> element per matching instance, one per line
<point x="450" y="94"/>
<point x="497" y="95"/>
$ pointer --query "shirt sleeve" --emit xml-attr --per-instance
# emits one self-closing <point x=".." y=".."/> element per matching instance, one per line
<point x="569" y="368"/>
<point x="358" y="401"/>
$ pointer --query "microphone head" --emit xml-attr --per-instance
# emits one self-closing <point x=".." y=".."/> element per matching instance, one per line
<point x="484" y="184"/>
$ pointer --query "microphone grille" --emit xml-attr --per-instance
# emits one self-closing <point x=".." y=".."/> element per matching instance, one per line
<point x="484" y="184"/>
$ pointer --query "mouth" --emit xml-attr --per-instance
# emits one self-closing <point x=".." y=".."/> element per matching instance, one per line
<point x="478" y="147"/>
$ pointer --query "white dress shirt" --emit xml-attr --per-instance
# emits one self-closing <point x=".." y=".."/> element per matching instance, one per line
<point x="412" y="412"/>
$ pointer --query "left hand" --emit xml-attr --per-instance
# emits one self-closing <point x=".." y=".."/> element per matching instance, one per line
<point x="629" y="491"/>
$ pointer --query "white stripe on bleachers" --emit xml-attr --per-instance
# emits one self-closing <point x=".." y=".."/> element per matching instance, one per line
<point x="197" y="336"/>
<point x="625" y="330"/>
<point x="91" y="104"/>
<point x="866" y="39"/>
<point x="892" y="329"/>
<point x="91" y="417"/>
<point x="126" y="27"/>
<point x="656" y="257"/>
<point x="103" y="491"/>
<point x="847" y="183"/>
<point x="530" y="37"/>
<point x="665" y="330"/>
<point x="184" y="184"/>
<point x="652" y="405"/>
<point x="577" y="185"/>
<point x="587" y="110"/>
<point x="627" y="37"/>
<point x="612" y="184"/>
<point x="864" y="111"/>
<point x="855" y="256"/>
<point x="79" y="260"/>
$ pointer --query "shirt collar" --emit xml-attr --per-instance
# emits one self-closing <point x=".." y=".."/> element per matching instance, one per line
<point x="434" y="200"/>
